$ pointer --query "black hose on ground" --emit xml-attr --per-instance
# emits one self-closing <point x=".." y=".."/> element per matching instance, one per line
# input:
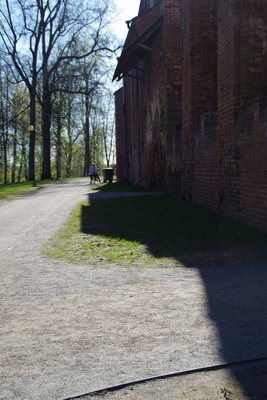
<point x="208" y="368"/>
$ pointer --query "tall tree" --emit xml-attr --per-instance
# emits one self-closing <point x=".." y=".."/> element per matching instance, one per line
<point x="5" y="118"/>
<point x="41" y="39"/>
<point x="108" y="116"/>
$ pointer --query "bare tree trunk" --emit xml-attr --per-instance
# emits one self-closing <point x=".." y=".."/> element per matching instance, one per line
<point x="87" y="133"/>
<point x="59" y="145"/>
<point x="5" y="140"/>
<point x="46" y="125"/>
<point x="14" y="162"/>
<point x="32" y="136"/>
<point x="70" y="142"/>
<point x="69" y="161"/>
<point x="23" y="162"/>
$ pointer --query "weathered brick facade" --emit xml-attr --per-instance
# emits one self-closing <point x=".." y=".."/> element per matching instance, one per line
<point x="192" y="117"/>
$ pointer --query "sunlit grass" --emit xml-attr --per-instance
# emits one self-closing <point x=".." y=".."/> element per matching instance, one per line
<point x="15" y="189"/>
<point x="147" y="230"/>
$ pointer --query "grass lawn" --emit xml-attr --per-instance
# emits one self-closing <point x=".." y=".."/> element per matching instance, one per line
<point x="17" y="189"/>
<point x="148" y="230"/>
<point x="14" y="189"/>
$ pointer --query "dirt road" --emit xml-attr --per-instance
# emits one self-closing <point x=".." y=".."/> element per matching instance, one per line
<point x="72" y="329"/>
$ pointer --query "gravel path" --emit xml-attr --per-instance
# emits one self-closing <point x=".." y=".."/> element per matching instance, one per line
<point x="72" y="329"/>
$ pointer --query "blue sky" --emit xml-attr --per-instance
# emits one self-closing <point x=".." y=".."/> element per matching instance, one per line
<point x="129" y="9"/>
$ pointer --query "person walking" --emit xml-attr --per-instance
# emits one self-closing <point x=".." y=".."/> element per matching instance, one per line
<point x="93" y="173"/>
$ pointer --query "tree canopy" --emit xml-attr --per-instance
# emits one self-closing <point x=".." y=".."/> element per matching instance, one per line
<point x="58" y="52"/>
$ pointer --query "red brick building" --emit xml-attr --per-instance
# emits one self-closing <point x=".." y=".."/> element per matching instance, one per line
<point x="191" y="117"/>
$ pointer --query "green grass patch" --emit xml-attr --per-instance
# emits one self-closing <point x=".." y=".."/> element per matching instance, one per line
<point x="18" y="189"/>
<point x="148" y="230"/>
<point x="15" y="189"/>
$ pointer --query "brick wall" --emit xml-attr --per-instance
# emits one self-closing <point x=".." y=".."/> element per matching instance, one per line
<point x="196" y="109"/>
<point x="199" y="33"/>
<point x="224" y="138"/>
<point x="120" y="136"/>
<point x="251" y="132"/>
<point x="242" y="71"/>
<point x="153" y="118"/>
<point x="132" y="122"/>
<point x="153" y="91"/>
<point x="229" y="46"/>
<point x="173" y="94"/>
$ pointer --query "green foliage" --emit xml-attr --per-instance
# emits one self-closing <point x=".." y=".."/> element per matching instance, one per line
<point x="225" y="392"/>
<point x="57" y="80"/>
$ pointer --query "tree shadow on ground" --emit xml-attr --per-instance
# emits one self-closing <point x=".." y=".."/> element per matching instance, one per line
<point x="235" y="281"/>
